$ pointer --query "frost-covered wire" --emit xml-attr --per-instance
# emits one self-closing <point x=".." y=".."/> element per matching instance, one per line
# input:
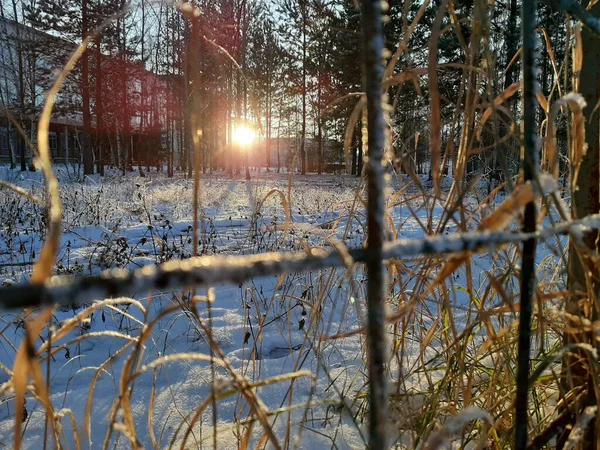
<point x="212" y="270"/>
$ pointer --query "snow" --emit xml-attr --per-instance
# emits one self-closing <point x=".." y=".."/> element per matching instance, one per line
<point x="265" y="328"/>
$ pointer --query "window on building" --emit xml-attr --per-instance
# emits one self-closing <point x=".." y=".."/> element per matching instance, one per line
<point x="53" y="143"/>
<point x="75" y="146"/>
<point x="4" y="142"/>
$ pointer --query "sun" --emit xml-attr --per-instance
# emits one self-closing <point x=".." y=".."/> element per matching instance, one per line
<point x="243" y="135"/>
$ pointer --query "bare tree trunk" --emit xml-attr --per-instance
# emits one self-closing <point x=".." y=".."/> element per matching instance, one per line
<point x="121" y="157"/>
<point x="229" y="158"/>
<point x="320" y="147"/>
<point x="88" y="158"/>
<point x="269" y="114"/>
<point x="143" y="146"/>
<point x="279" y="147"/>
<point x="11" y="148"/>
<point x="5" y="93"/>
<point x="304" y="62"/>
<point x="183" y="112"/>
<point x="354" y="162"/>
<point x="512" y="40"/>
<point x="21" y="75"/>
<point x="319" y="127"/>
<point x="99" y="111"/>
<point x="583" y="270"/>
<point x="243" y="43"/>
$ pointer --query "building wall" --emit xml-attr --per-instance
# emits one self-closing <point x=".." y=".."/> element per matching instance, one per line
<point x="144" y="107"/>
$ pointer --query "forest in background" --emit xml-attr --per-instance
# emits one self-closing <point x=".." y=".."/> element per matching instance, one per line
<point x="289" y="69"/>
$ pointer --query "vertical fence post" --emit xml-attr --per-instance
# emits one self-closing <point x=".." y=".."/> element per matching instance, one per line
<point x="530" y="164"/>
<point x="373" y="38"/>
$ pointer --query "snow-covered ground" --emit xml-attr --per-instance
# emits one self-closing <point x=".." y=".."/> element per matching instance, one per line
<point x="266" y="328"/>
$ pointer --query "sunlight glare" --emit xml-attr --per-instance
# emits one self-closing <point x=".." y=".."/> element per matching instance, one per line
<point x="243" y="135"/>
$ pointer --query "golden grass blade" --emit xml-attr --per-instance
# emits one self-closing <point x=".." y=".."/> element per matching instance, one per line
<point x="97" y="373"/>
<point x="350" y="127"/>
<point x="505" y="95"/>
<point x="286" y="209"/>
<point x="67" y="412"/>
<point x="151" y="403"/>
<point x="577" y="57"/>
<point x="340" y="100"/>
<point x="552" y="58"/>
<point x="21" y="191"/>
<point x="456" y="23"/>
<point x="402" y="45"/>
<point x="256" y="405"/>
<point x="499" y="335"/>
<point x="245" y="443"/>
<point x="195" y="418"/>
<point x="178" y="357"/>
<point x="43" y="267"/>
<point x="15" y="123"/>
<point x="404" y="76"/>
<point x="431" y="333"/>
<point x="514" y="59"/>
<point x="26" y="364"/>
<point x="70" y="324"/>
<point x="502" y="216"/>
<point x="543" y="102"/>
<point x="262" y="441"/>
<point x="498" y="220"/>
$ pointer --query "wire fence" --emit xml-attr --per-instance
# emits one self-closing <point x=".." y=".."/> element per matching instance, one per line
<point x="207" y="271"/>
<point x="210" y="270"/>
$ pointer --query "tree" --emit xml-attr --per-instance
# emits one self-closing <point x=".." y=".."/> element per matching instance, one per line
<point x="583" y="281"/>
<point x="71" y="20"/>
<point x="264" y="53"/>
<point x="21" y="64"/>
<point x="294" y="33"/>
<point x="88" y="158"/>
<point x="321" y="69"/>
<point x="346" y="75"/>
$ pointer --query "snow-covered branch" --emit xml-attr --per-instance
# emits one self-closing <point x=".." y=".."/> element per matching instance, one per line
<point x="211" y="270"/>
